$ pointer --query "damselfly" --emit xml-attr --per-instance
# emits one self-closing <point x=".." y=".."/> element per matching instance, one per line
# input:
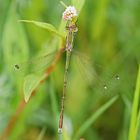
<point x="72" y="29"/>
<point x="49" y="61"/>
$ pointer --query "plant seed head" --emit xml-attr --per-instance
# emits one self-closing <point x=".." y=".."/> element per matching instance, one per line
<point x="70" y="13"/>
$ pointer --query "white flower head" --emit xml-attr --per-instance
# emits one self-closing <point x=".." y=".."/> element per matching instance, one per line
<point x="70" y="13"/>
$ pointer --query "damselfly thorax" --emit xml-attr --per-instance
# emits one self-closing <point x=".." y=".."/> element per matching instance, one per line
<point x="71" y="29"/>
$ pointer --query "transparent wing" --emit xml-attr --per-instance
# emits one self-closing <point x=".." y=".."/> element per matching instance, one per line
<point x="35" y="65"/>
<point x="98" y="78"/>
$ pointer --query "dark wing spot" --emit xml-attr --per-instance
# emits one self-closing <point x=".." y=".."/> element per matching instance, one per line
<point x="105" y="87"/>
<point x="17" y="66"/>
<point x="117" y="77"/>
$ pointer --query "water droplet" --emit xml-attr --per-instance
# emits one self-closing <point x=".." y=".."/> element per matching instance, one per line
<point x="60" y="130"/>
<point x="105" y="87"/>
<point x="117" y="77"/>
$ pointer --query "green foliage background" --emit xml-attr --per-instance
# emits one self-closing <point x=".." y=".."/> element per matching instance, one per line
<point x="108" y="34"/>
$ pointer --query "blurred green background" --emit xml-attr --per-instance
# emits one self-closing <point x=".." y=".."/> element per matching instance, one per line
<point x="109" y="34"/>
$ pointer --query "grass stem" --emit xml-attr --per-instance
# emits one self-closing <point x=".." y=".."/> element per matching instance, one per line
<point x="134" y="114"/>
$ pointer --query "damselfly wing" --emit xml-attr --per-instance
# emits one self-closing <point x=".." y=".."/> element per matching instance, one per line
<point x="35" y="65"/>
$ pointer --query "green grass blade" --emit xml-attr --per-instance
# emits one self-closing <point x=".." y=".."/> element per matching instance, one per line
<point x="44" y="25"/>
<point x="94" y="116"/>
<point x="62" y="3"/>
<point x="138" y="123"/>
<point x="134" y="114"/>
<point x="42" y="134"/>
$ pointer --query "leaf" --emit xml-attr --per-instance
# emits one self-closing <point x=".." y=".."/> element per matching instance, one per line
<point x="78" y="4"/>
<point x="94" y="116"/>
<point x="14" y="47"/>
<point x="44" y="25"/>
<point x="30" y="83"/>
<point x="135" y="107"/>
<point x="14" y="44"/>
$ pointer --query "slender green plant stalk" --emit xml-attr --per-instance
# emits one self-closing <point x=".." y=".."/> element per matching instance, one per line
<point x="62" y="3"/>
<point x="134" y="113"/>
<point x="138" y="123"/>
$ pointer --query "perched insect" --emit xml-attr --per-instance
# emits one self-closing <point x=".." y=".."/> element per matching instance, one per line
<point x="48" y="61"/>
